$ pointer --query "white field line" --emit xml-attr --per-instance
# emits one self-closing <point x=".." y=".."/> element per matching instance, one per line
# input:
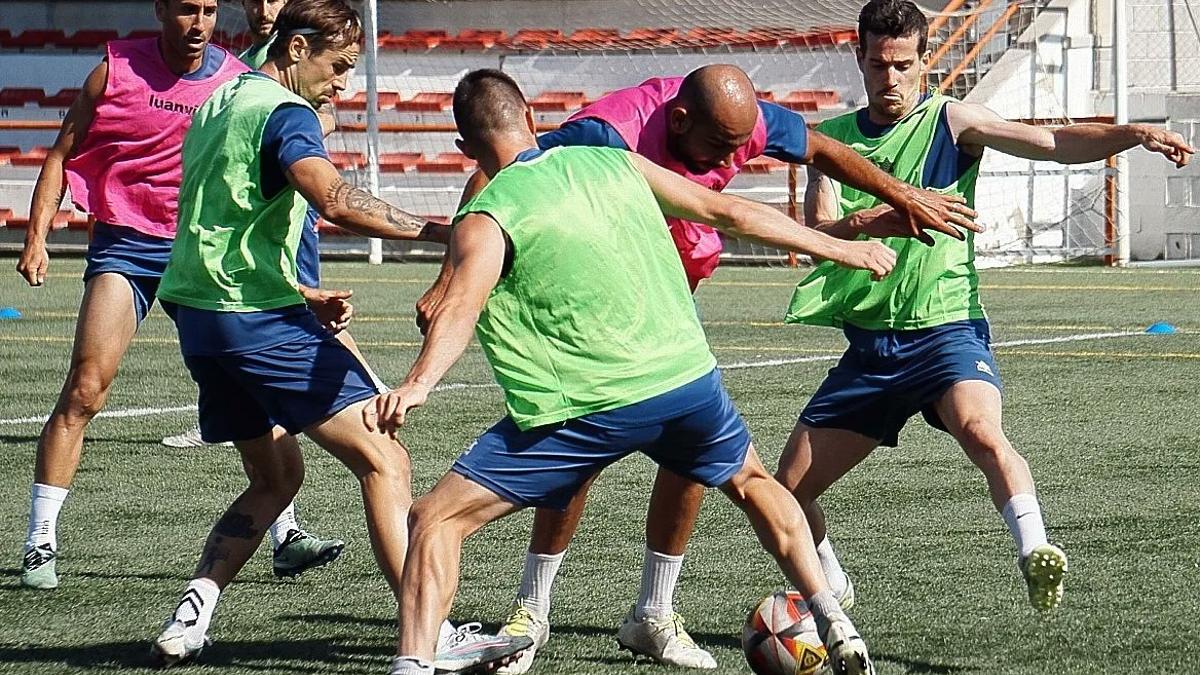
<point x="148" y="412"/>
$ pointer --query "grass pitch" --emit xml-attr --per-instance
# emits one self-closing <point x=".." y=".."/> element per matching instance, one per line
<point x="1108" y="424"/>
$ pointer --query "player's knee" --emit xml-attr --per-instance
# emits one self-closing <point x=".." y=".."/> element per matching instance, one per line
<point x="86" y="390"/>
<point x="424" y="519"/>
<point x="985" y="442"/>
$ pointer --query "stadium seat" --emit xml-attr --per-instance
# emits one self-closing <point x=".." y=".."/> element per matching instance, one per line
<point x="16" y="97"/>
<point x="348" y="161"/>
<point x="446" y="162"/>
<point x="63" y="99"/>
<point x="649" y="38"/>
<point x="413" y="39"/>
<point x="536" y="38"/>
<point x="766" y="36"/>
<point x="88" y="39"/>
<point x="594" y="37"/>
<point x="399" y="162"/>
<point x="60" y="221"/>
<point x="825" y="36"/>
<point x="34" y="157"/>
<point x="7" y="151"/>
<point x="558" y="101"/>
<point x="707" y="37"/>
<point x="765" y="95"/>
<point x="5" y="215"/>
<point x="811" y="100"/>
<point x="35" y="39"/>
<point x="426" y="101"/>
<point x="473" y="39"/>
<point x="387" y="99"/>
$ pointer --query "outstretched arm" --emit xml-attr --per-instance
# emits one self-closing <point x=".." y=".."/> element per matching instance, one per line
<point x="978" y="126"/>
<point x="477" y="253"/>
<point x="49" y="191"/>
<point x="917" y="209"/>
<point x="430" y="298"/>
<point x="821" y="211"/>
<point x="356" y="209"/>
<point x="742" y="218"/>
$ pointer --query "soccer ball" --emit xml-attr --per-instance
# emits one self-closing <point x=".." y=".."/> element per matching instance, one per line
<point x="780" y="637"/>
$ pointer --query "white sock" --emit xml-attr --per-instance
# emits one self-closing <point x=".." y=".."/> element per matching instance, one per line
<point x="410" y="665"/>
<point x="286" y="522"/>
<point x="1024" y="519"/>
<point x="45" y="504"/>
<point x="825" y="609"/>
<point x="834" y="574"/>
<point x="659" y="574"/>
<point x="537" y="580"/>
<point x="196" y="607"/>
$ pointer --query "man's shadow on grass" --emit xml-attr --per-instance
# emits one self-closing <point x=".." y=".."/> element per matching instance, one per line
<point x="292" y="656"/>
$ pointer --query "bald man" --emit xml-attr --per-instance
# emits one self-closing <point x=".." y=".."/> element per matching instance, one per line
<point x="705" y="127"/>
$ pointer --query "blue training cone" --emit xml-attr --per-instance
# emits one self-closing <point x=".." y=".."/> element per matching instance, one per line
<point x="1161" y="328"/>
<point x="9" y="313"/>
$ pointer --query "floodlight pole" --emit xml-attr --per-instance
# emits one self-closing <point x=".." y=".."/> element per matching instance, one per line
<point x="371" y="61"/>
<point x="1120" y="59"/>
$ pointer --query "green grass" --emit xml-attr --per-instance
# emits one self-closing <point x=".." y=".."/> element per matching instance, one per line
<point x="1109" y="426"/>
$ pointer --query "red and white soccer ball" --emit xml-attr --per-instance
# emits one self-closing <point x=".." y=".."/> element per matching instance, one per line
<point x="780" y="637"/>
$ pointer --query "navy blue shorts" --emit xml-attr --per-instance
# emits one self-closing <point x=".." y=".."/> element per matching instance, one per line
<point x="308" y="257"/>
<point x="292" y="384"/>
<point x="138" y="257"/>
<point x="693" y="430"/>
<point x="886" y="377"/>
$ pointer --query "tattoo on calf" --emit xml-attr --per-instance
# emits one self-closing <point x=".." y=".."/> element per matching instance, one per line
<point x="214" y="552"/>
<point x="235" y="524"/>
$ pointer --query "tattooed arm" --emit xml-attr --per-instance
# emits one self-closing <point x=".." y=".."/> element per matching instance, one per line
<point x="356" y="209"/>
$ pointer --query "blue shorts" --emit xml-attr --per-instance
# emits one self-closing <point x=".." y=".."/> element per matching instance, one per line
<point x="138" y="257"/>
<point x="693" y="430"/>
<point x="886" y="377"/>
<point x="291" y="384"/>
<point x="308" y="257"/>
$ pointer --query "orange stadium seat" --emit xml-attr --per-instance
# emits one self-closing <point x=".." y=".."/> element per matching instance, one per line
<point x="60" y="221"/>
<point x="765" y="95"/>
<point x="358" y="101"/>
<point x="594" y="37"/>
<point x="5" y="215"/>
<point x="536" y="38"/>
<point x="426" y="101"/>
<point x="473" y="39"/>
<point x="558" y="101"/>
<point x="63" y="99"/>
<point x="16" y="97"/>
<point x="446" y="162"/>
<point x="348" y="161"/>
<point x="413" y="39"/>
<point x="34" y="157"/>
<point x="712" y="36"/>
<point x="7" y="151"/>
<point x="764" y="165"/>
<point x="36" y="39"/>
<point x="647" y="38"/>
<point x="88" y="39"/>
<point x="399" y="162"/>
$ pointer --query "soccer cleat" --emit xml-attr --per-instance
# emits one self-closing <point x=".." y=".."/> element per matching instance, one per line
<point x="1044" y="569"/>
<point x="522" y="622"/>
<point x="847" y="651"/>
<point x="300" y="551"/>
<point x="189" y="439"/>
<point x="663" y="640"/>
<point x="38" y="569"/>
<point x="466" y="650"/>
<point x="174" y="645"/>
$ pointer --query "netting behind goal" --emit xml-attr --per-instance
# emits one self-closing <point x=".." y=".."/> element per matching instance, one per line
<point x="799" y="54"/>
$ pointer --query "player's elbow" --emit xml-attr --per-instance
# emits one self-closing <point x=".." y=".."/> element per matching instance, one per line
<point x="736" y="216"/>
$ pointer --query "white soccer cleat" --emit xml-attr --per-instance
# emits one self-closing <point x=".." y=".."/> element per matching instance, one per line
<point x="847" y="651"/>
<point x="467" y="650"/>
<point x="522" y="622"/>
<point x="189" y="439"/>
<point x="663" y="640"/>
<point x="176" y="644"/>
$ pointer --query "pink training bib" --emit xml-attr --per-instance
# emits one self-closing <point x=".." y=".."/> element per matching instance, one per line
<point x="128" y="168"/>
<point x="639" y="116"/>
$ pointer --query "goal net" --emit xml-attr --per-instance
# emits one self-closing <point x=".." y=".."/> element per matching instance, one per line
<point x="799" y="54"/>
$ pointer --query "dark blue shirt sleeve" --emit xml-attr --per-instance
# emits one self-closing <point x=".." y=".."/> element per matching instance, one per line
<point x="292" y="133"/>
<point x="787" y="133"/>
<point x="589" y="131"/>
